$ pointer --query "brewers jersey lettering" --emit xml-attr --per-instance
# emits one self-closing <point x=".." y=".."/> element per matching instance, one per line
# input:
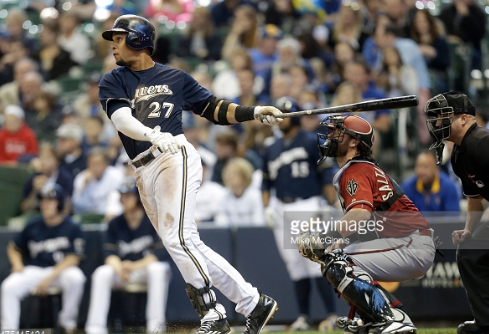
<point x="156" y="96"/>
<point x="45" y="246"/>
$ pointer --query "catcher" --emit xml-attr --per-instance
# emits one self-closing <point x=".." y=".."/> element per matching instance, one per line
<point x="381" y="237"/>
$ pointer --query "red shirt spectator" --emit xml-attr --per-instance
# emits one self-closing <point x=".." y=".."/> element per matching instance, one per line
<point x="16" y="138"/>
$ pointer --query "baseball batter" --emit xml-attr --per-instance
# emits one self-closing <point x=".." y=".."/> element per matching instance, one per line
<point x="145" y="100"/>
<point x="292" y="173"/>
<point x="381" y="237"/>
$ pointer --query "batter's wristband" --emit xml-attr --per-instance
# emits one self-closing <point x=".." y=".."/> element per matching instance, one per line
<point x="244" y="114"/>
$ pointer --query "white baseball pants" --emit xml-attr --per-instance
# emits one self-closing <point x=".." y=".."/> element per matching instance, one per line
<point x="18" y="285"/>
<point x="297" y="266"/>
<point x="157" y="277"/>
<point x="168" y="187"/>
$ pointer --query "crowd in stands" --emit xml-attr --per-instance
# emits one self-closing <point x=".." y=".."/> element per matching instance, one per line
<point x="247" y="51"/>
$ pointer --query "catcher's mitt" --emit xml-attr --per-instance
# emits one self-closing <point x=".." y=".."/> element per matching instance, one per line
<point x="310" y="246"/>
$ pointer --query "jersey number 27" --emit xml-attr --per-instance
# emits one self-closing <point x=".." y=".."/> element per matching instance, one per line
<point x="156" y="113"/>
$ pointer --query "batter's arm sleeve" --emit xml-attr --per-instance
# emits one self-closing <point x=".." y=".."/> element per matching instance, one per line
<point x="127" y="124"/>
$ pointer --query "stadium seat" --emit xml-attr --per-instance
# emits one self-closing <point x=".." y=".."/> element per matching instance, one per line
<point x="12" y="180"/>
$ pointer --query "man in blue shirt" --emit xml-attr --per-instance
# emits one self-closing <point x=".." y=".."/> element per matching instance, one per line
<point x="430" y="189"/>
<point x="45" y="254"/>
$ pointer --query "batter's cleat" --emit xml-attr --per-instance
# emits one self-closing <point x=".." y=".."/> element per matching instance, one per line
<point x="214" y="327"/>
<point x="469" y="327"/>
<point x="263" y="312"/>
<point x="300" y="324"/>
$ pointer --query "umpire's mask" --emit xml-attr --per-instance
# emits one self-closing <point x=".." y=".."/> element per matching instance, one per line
<point x="439" y="111"/>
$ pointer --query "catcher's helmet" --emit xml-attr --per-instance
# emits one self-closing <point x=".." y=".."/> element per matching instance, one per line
<point x="54" y="191"/>
<point x="288" y="104"/>
<point x="141" y="33"/>
<point x="337" y="126"/>
<point x="439" y="110"/>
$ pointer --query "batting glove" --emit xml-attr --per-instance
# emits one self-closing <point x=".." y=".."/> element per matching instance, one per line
<point x="163" y="140"/>
<point x="268" y="115"/>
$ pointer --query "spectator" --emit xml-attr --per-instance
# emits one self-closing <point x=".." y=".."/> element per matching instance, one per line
<point x="242" y="204"/>
<point x="312" y="49"/>
<point x="246" y="81"/>
<point x="395" y="78"/>
<point x="226" y="149"/>
<point x="430" y="189"/>
<point x="72" y="39"/>
<point x="265" y="54"/>
<point x="386" y="36"/>
<point x="93" y="185"/>
<point x="301" y="81"/>
<point x="94" y="136"/>
<point x="209" y="198"/>
<point x="433" y="46"/>
<point x="47" y="172"/>
<point x="222" y="12"/>
<point x="131" y="249"/>
<point x="101" y="45"/>
<point x="45" y="254"/>
<point x="200" y="40"/>
<point x="15" y="50"/>
<point x="244" y="33"/>
<point x="280" y="86"/>
<point x="14" y="23"/>
<point x="357" y="73"/>
<point x="29" y="87"/>
<point x="397" y="13"/>
<point x="226" y="83"/>
<point x="68" y="146"/>
<point x="465" y="22"/>
<point x="282" y="14"/>
<point x="343" y="54"/>
<point x="289" y="51"/>
<point x="172" y="10"/>
<point x="307" y="101"/>
<point x="371" y="10"/>
<point x="10" y="92"/>
<point x="349" y="27"/>
<point x="45" y="117"/>
<point x="16" y="138"/>
<point x="54" y="60"/>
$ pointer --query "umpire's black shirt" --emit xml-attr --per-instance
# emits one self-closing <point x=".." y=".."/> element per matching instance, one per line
<point x="470" y="162"/>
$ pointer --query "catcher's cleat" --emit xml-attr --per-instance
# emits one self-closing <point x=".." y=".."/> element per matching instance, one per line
<point x="469" y="327"/>
<point x="393" y="328"/>
<point x="263" y="312"/>
<point x="214" y="327"/>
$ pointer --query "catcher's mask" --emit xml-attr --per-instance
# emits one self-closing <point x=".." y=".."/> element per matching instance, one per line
<point x="337" y="126"/>
<point x="439" y="112"/>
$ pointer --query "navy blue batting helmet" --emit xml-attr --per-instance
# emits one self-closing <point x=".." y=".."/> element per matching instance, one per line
<point x="288" y="104"/>
<point x="54" y="191"/>
<point x="141" y="33"/>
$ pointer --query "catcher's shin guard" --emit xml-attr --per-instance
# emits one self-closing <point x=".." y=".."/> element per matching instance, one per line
<point x="369" y="301"/>
<point x="197" y="299"/>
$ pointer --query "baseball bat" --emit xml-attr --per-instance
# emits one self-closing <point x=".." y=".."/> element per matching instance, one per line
<point x="372" y="105"/>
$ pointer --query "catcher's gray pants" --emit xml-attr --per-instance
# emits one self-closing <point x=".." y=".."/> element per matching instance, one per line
<point x="393" y="259"/>
<point x="473" y="264"/>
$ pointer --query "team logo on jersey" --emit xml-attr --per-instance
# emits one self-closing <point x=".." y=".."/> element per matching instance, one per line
<point x="478" y="183"/>
<point x="146" y="93"/>
<point x="352" y="187"/>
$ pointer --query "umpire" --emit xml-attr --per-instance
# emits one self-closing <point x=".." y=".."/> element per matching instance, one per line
<point x="451" y="117"/>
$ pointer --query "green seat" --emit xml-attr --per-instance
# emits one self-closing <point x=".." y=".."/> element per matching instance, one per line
<point x="88" y="218"/>
<point x="69" y="84"/>
<point x="12" y="180"/>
